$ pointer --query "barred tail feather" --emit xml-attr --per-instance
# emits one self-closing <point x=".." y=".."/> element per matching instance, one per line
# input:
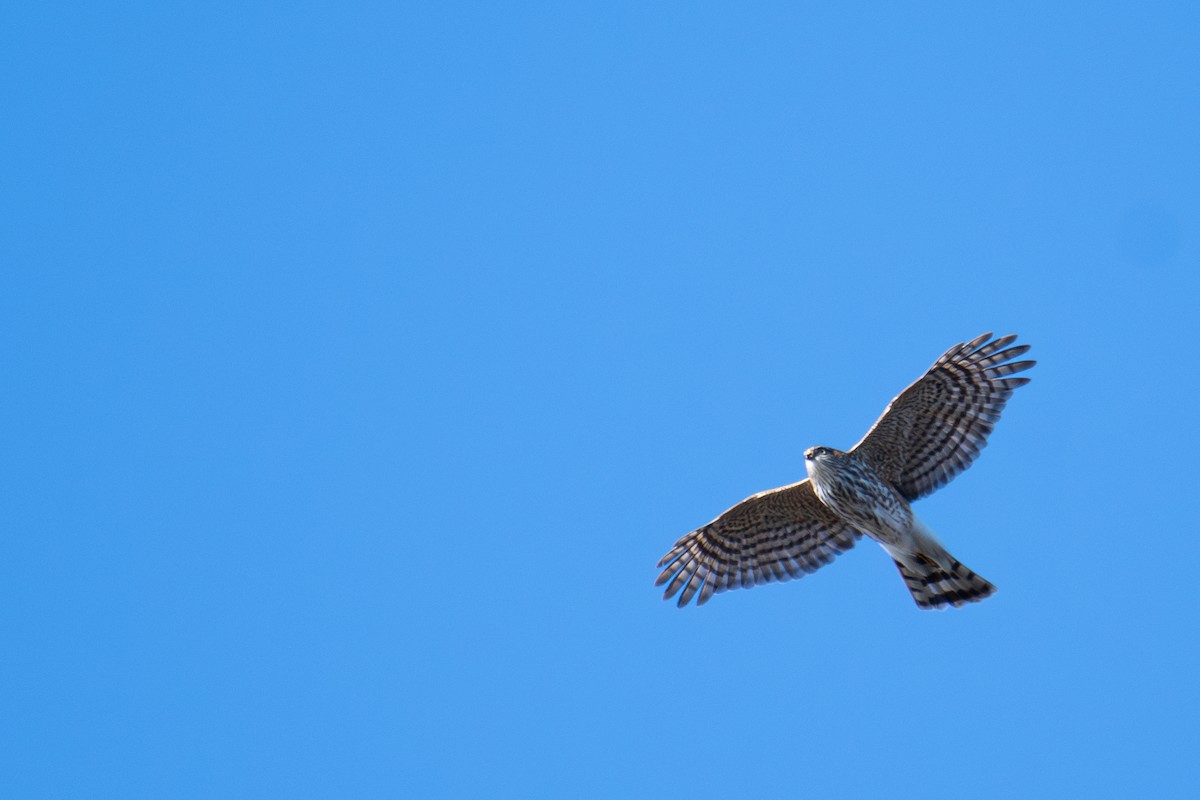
<point x="934" y="586"/>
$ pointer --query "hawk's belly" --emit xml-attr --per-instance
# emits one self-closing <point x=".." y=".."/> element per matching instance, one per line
<point x="859" y="497"/>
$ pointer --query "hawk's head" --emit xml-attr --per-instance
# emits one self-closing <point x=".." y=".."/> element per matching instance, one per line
<point x="822" y="461"/>
<point x="818" y="453"/>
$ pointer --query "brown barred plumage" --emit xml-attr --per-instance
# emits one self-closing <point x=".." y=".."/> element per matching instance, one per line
<point x="936" y="427"/>
<point x="929" y="433"/>
<point x="773" y="536"/>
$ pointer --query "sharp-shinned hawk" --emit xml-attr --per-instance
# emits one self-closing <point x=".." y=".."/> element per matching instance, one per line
<point x="929" y="433"/>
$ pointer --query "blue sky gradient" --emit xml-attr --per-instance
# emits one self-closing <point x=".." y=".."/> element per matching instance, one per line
<point x="362" y="359"/>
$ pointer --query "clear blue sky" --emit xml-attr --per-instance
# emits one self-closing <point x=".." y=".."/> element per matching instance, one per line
<point x="360" y="361"/>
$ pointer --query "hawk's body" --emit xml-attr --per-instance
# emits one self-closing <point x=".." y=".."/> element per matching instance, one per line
<point x="852" y="490"/>
<point x="932" y="431"/>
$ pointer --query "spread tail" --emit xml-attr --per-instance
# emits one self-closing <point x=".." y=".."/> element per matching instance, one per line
<point x="936" y="586"/>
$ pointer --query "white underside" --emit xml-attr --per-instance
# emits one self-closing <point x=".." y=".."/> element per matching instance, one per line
<point x="920" y="539"/>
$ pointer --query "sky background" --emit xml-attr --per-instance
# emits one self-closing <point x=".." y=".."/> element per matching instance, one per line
<point x="360" y="360"/>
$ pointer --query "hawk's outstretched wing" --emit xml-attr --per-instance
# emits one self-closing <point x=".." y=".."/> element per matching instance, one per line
<point x="772" y="536"/>
<point x="936" y="427"/>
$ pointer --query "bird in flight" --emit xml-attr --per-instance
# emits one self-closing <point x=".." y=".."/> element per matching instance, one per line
<point x="929" y="433"/>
